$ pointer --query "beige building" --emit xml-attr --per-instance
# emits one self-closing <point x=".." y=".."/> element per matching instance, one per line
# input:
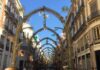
<point x="84" y="31"/>
<point x="10" y="15"/>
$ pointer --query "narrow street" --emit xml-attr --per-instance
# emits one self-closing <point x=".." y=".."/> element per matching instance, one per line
<point x="49" y="35"/>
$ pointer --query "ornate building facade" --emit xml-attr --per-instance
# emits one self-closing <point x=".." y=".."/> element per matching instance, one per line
<point x="10" y="16"/>
<point x="84" y="29"/>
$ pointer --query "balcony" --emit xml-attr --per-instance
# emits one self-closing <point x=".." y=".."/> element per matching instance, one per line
<point x="97" y="41"/>
<point x="93" y="15"/>
<point x="80" y="9"/>
<point x="79" y="31"/>
<point x="11" y="15"/>
<point x="7" y="9"/>
<point x="77" y="13"/>
<point x="9" y="30"/>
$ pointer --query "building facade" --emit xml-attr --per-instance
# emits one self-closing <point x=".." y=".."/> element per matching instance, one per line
<point x="10" y="16"/>
<point x="84" y="29"/>
<point x="28" y="49"/>
<point x="68" y="41"/>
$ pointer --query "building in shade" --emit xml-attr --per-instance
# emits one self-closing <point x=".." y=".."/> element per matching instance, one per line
<point x="9" y="18"/>
<point x="84" y="31"/>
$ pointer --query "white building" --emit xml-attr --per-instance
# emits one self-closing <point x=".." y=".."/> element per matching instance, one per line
<point x="28" y="32"/>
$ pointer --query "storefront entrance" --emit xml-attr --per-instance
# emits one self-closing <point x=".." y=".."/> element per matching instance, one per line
<point x="98" y="59"/>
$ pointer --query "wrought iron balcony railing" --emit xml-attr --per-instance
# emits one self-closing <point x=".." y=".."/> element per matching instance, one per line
<point x="79" y="31"/>
<point x="80" y="8"/>
<point x="9" y="30"/>
<point x="94" y="15"/>
<point x="11" y="15"/>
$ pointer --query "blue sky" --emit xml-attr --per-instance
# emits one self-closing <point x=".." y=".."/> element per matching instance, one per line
<point x="37" y="20"/>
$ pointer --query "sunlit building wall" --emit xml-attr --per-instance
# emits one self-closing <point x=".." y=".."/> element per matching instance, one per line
<point x="85" y="34"/>
<point x="9" y="18"/>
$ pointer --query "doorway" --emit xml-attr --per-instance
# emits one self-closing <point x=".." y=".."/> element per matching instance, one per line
<point x="98" y="59"/>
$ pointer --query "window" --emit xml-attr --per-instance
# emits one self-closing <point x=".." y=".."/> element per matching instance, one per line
<point x="11" y="47"/>
<point x="93" y="6"/>
<point x="6" y="23"/>
<point x="86" y="42"/>
<point x="11" y="27"/>
<point x="2" y="38"/>
<point x="80" y="2"/>
<point x="81" y="19"/>
<point x="82" y="44"/>
<point x="15" y="15"/>
<point x="2" y="42"/>
<point x="8" y="4"/>
<point x="72" y="32"/>
<point x="14" y="29"/>
<point x="88" y="61"/>
<point x="7" y="45"/>
<point x="78" y="24"/>
<point x="0" y="7"/>
<point x="83" y="62"/>
<point x="9" y="24"/>
<point x="75" y="26"/>
<point x="78" y="50"/>
<point x="12" y="10"/>
<point x="97" y="32"/>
